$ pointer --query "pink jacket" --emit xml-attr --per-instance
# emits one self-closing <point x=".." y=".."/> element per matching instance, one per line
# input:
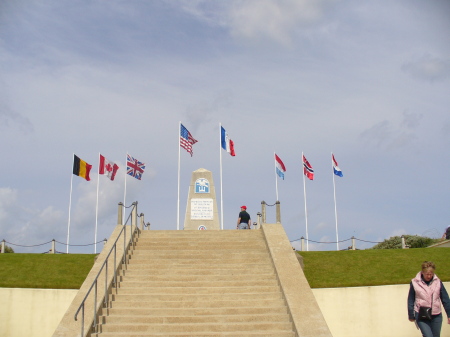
<point x="425" y="293"/>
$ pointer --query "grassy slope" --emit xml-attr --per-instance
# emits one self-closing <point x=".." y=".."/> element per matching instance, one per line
<point x="44" y="271"/>
<point x="372" y="267"/>
<point x="322" y="269"/>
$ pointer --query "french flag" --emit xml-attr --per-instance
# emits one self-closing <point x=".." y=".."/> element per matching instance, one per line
<point x="336" y="169"/>
<point x="279" y="167"/>
<point x="227" y="143"/>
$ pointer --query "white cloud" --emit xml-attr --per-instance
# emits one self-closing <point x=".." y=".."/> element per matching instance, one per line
<point x="428" y="68"/>
<point x="259" y="20"/>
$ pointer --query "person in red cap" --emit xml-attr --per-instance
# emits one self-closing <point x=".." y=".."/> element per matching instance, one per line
<point x="244" y="220"/>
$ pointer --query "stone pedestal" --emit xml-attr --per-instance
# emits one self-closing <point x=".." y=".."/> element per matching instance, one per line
<point x="201" y="208"/>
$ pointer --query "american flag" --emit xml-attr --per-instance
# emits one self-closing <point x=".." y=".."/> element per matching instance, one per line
<point x="186" y="139"/>
<point x="307" y="169"/>
<point x="134" y="167"/>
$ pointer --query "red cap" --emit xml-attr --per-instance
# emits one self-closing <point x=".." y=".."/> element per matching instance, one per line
<point x="244" y="207"/>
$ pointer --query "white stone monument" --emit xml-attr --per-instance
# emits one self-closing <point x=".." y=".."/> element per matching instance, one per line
<point x="201" y="208"/>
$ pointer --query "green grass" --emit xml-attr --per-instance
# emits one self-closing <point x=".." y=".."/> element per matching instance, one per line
<point x="44" y="271"/>
<point x="371" y="267"/>
<point x="328" y="269"/>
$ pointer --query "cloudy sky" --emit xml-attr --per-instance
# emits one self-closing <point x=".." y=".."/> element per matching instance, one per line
<point x="368" y="81"/>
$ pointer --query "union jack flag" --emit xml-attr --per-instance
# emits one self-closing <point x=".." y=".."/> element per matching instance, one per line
<point x="186" y="139"/>
<point x="134" y="167"/>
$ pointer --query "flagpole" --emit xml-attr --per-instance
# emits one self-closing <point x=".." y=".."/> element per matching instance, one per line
<point x="276" y="180"/>
<point x="178" y="198"/>
<point x="335" y="208"/>
<point x="125" y="189"/>
<point x="221" y="193"/>
<point x="96" y="207"/>
<point x="306" y="211"/>
<point x="70" y="205"/>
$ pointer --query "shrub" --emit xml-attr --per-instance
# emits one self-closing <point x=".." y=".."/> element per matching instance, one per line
<point x="413" y="241"/>
<point x="8" y="249"/>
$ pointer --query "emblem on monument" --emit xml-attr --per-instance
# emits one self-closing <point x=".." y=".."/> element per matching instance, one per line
<point x="202" y="185"/>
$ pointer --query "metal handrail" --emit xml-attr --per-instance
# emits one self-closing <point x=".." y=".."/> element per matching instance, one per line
<point x="105" y="265"/>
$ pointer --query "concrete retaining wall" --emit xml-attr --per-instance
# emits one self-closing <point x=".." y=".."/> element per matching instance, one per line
<point x="32" y="312"/>
<point x="370" y="311"/>
<point x="349" y="312"/>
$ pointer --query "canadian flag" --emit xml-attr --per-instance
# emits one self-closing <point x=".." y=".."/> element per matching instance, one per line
<point x="107" y="168"/>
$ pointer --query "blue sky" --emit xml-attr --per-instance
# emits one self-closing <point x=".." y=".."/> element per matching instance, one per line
<point x="368" y="81"/>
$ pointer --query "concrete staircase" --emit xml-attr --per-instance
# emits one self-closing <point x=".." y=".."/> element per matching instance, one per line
<point x="198" y="283"/>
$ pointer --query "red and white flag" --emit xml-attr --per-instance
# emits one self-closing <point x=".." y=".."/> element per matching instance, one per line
<point x="107" y="168"/>
<point x="307" y="169"/>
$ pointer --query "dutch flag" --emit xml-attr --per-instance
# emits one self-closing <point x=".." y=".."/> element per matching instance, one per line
<point x="279" y="167"/>
<point x="336" y="169"/>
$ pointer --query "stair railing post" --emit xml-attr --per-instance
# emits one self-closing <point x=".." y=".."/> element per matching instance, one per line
<point x="3" y="247"/>
<point x="258" y="226"/>
<point x="278" y="211"/>
<point x="141" y="216"/>
<point x="263" y="211"/>
<point x="133" y="222"/>
<point x="303" y="244"/>
<point x="120" y="214"/>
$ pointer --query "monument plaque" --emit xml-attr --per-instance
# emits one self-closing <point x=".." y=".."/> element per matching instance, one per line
<point x="201" y="208"/>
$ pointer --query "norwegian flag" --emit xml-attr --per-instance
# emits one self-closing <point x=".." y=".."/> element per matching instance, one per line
<point x="107" y="168"/>
<point x="307" y="169"/>
<point x="134" y="167"/>
<point x="186" y="139"/>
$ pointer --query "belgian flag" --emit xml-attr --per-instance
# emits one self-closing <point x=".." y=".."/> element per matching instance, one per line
<point x="81" y="168"/>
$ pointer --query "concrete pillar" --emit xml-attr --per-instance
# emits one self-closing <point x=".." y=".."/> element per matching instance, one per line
<point x="278" y="212"/>
<point x="3" y="247"/>
<point x="53" y="247"/>
<point x="353" y="243"/>
<point x="120" y="214"/>
<point x="258" y="220"/>
<point x="148" y="225"/>
<point x="141" y="216"/>
<point x="134" y="214"/>
<point x="104" y="242"/>
<point x="303" y="244"/>
<point x="403" y="243"/>
<point x="263" y="211"/>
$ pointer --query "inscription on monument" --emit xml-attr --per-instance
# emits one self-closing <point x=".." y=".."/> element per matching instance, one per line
<point x="202" y="209"/>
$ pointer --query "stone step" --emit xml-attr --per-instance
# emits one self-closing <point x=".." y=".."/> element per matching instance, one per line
<point x="185" y="242"/>
<point x="206" y="255"/>
<point x="196" y="312"/>
<point x="197" y="290"/>
<point x="200" y="304"/>
<point x="179" y="258"/>
<point x="163" y="266"/>
<point x="195" y="297"/>
<point x="196" y="272"/>
<point x="194" y="328"/>
<point x="243" y="318"/>
<point x="125" y="282"/>
<point x="201" y="334"/>
<point x="196" y="234"/>
<point x="216" y="246"/>
<point x="188" y="278"/>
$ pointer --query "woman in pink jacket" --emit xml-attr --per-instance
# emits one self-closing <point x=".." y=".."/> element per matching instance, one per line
<point x="427" y="290"/>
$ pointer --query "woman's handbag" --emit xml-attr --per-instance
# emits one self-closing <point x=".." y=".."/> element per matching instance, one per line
<point x="425" y="312"/>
